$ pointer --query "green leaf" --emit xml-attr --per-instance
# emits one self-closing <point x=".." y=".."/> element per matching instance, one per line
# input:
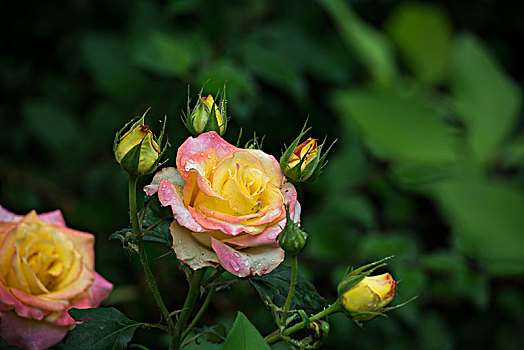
<point x="371" y="46"/>
<point x="160" y="233"/>
<point x="244" y="336"/>
<point x="422" y="33"/>
<point x="276" y="286"/>
<point x="487" y="220"/>
<point x="485" y="96"/>
<point x="101" y="328"/>
<point x="398" y="127"/>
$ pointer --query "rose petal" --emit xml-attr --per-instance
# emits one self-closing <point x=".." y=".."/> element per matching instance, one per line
<point x="226" y="227"/>
<point x="170" y="174"/>
<point x="168" y="195"/>
<point x="189" y="251"/>
<point x="100" y="290"/>
<point x="204" y="141"/>
<point x="248" y="262"/>
<point x="8" y="301"/>
<point x="270" y="164"/>
<point x="29" y="334"/>
<point x="54" y="217"/>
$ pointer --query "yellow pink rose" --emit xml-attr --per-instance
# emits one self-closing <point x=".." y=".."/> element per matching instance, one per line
<point x="45" y="270"/>
<point x="228" y="204"/>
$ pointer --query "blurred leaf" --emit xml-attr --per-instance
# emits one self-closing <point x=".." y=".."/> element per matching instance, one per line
<point x="358" y="209"/>
<point x="514" y="152"/>
<point x="485" y="96"/>
<point x="106" y="57"/>
<point x="422" y="33"/>
<point x="244" y="336"/>
<point x="276" y="286"/>
<point x="272" y="67"/>
<point x="435" y="333"/>
<point x="169" y="55"/>
<point x="377" y="245"/>
<point x="398" y="127"/>
<point x="488" y="221"/>
<point x="52" y="126"/>
<point x="370" y="46"/>
<point x="160" y="233"/>
<point x="101" y="328"/>
<point x="444" y="261"/>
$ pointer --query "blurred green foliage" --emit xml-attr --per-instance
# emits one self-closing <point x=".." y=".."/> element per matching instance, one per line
<point x="429" y="165"/>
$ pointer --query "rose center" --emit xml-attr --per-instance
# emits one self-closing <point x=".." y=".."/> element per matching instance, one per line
<point x="38" y="263"/>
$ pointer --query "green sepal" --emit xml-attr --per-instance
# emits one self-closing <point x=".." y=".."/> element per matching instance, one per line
<point x="353" y="277"/>
<point x="289" y="151"/>
<point x="131" y="161"/>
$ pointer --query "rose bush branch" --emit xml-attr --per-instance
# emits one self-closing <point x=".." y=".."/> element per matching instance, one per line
<point x="143" y="255"/>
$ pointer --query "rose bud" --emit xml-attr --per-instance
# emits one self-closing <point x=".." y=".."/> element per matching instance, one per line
<point x="304" y="162"/>
<point x="292" y="239"/>
<point x="138" y="150"/>
<point x="366" y="299"/>
<point x="207" y="115"/>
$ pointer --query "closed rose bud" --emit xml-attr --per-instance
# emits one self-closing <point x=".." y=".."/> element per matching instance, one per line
<point x="207" y="115"/>
<point x="303" y="162"/>
<point x="292" y="239"/>
<point x="368" y="297"/>
<point x="138" y="150"/>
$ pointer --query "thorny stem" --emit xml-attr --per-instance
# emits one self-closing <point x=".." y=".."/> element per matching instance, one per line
<point x="273" y="338"/>
<point x="143" y="256"/>
<point x="287" y="305"/>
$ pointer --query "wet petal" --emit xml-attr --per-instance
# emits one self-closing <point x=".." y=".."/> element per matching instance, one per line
<point x="250" y="261"/>
<point x="169" y="173"/>
<point x="189" y="250"/>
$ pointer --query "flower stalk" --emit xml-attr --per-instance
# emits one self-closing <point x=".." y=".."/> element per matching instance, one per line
<point x="333" y="308"/>
<point x="287" y="305"/>
<point x="143" y="255"/>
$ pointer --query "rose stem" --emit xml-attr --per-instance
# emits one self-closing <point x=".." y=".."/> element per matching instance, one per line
<point x="143" y="256"/>
<point x="200" y="312"/>
<point x="294" y="270"/>
<point x="273" y="338"/>
<point x="192" y="295"/>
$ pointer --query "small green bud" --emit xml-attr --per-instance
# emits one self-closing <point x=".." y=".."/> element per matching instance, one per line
<point x="292" y="239"/>
<point x="207" y="115"/>
<point x="318" y="330"/>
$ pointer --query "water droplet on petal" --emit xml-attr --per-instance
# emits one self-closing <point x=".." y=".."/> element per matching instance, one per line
<point x="179" y="242"/>
<point x="199" y="229"/>
<point x="236" y="255"/>
<point x="235" y="266"/>
<point x="191" y="161"/>
<point x="272" y="260"/>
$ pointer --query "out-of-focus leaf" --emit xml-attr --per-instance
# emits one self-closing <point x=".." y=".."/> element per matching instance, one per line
<point x="101" y="328"/>
<point x="107" y="59"/>
<point x="244" y="336"/>
<point x="274" y="68"/>
<point x="422" y="33"/>
<point x="398" y="127"/>
<point x="240" y="85"/>
<point x="485" y="96"/>
<point x="358" y="209"/>
<point x="487" y="220"/>
<point x="52" y="126"/>
<point x="375" y="245"/>
<point x="371" y="47"/>
<point x="276" y="286"/>
<point x="170" y="55"/>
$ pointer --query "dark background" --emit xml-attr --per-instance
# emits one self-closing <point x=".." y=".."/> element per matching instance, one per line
<point x="423" y="98"/>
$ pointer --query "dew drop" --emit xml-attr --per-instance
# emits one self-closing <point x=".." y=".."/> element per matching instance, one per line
<point x="235" y="266"/>
<point x="179" y="242"/>
<point x="199" y="229"/>
<point x="272" y="260"/>
<point x="191" y="161"/>
<point x="236" y="255"/>
<point x="202" y="154"/>
<point x="212" y="212"/>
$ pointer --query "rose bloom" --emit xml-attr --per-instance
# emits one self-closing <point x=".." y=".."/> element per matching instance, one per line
<point x="228" y="204"/>
<point x="45" y="270"/>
